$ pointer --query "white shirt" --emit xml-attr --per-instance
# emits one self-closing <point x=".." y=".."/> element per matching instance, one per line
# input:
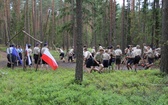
<point x="61" y="51"/>
<point x="36" y="50"/>
<point x="29" y="51"/>
<point x="106" y="56"/>
<point x="43" y="49"/>
<point x="71" y="51"/>
<point x="137" y="52"/>
<point x="93" y="50"/>
<point x="118" y="52"/>
<point x="86" y="54"/>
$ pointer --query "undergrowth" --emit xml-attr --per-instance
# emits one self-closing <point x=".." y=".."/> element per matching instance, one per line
<point x="43" y="87"/>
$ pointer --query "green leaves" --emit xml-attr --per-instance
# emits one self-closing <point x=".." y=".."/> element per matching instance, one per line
<point x="58" y="87"/>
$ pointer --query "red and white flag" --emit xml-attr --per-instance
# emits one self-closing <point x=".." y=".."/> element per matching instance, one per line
<point x="49" y="59"/>
<point x="28" y="56"/>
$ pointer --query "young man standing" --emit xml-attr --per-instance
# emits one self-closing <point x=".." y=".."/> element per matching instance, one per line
<point x="118" y="54"/>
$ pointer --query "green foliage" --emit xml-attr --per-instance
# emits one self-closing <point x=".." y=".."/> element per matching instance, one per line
<point x="58" y="87"/>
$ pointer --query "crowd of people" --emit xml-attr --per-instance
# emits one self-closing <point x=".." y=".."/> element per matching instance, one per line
<point x="32" y="57"/>
<point x="104" y="58"/>
<point x="130" y="58"/>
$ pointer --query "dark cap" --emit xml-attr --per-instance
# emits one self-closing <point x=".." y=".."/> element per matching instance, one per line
<point x="45" y="44"/>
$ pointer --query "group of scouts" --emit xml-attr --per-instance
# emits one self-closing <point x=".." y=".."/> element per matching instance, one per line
<point x="36" y="60"/>
<point x="131" y="58"/>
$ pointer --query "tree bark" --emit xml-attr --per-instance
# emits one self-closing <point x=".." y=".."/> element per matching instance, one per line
<point x="79" y="57"/>
<point x="34" y="17"/>
<point x="164" y="48"/>
<point x="53" y="22"/>
<point x="157" y="23"/>
<point x="41" y="21"/>
<point x="111" y="23"/>
<point x="123" y="27"/>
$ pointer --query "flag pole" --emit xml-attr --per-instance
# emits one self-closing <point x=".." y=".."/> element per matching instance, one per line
<point x="40" y="48"/>
<point x="39" y="55"/>
<point x="32" y="37"/>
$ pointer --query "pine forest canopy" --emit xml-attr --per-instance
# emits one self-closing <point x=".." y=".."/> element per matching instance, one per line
<point x="104" y="21"/>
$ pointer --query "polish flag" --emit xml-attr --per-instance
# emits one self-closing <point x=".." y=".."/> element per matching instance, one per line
<point x="49" y="59"/>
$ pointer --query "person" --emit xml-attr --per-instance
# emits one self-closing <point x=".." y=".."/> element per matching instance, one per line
<point x="11" y="59"/>
<point x="112" y="57"/>
<point x="36" y="55"/>
<point x="118" y="54"/>
<point x="29" y="52"/>
<point x="150" y="57"/>
<point x="20" y="51"/>
<point x="137" y="56"/>
<point x="62" y="54"/>
<point x="70" y="55"/>
<point x="45" y="47"/>
<point x="130" y="58"/>
<point x="106" y="58"/>
<point x="93" y="51"/>
<point x="100" y="46"/>
<point x="98" y="61"/>
<point x="88" y="59"/>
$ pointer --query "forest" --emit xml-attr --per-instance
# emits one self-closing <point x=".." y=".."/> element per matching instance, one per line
<point x="104" y="21"/>
<point x="67" y="23"/>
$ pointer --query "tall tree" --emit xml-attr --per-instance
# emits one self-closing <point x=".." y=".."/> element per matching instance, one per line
<point x="34" y="18"/>
<point x="41" y="21"/>
<point x="79" y="57"/>
<point x="164" y="48"/>
<point x="111" y="23"/>
<point x="123" y="27"/>
<point x="7" y="18"/>
<point x="53" y="21"/>
<point x="157" y="23"/>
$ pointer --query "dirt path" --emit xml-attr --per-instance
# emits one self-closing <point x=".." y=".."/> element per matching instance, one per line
<point x="3" y="59"/>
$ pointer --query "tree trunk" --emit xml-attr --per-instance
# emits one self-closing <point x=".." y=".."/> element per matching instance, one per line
<point x="123" y="27"/>
<point x="41" y="21"/>
<point x="164" y="49"/>
<point x="7" y="18"/>
<point x="114" y="24"/>
<point x="79" y="57"/>
<point x="53" y="22"/>
<point x="157" y="23"/>
<point x="34" y="18"/>
<point x="111" y="23"/>
<point x="73" y="25"/>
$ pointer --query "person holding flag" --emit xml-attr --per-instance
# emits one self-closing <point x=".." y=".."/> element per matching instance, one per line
<point x="28" y="55"/>
<point x="47" y="58"/>
<point x="44" y="48"/>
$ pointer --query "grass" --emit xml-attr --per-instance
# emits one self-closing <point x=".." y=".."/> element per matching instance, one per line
<point x="43" y="87"/>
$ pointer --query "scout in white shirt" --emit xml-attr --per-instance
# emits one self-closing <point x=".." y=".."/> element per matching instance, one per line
<point x="137" y="54"/>
<point x="106" y="58"/>
<point x="118" y="54"/>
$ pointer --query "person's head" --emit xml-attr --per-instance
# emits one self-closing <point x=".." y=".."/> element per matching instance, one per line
<point x="101" y="50"/>
<point x="148" y="46"/>
<point x="29" y="45"/>
<point x="85" y="49"/>
<point x="118" y="46"/>
<point x="37" y="44"/>
<point x="106" y="50"/>
<point x="138" y="46"/>
<point x="45" y="44"/>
